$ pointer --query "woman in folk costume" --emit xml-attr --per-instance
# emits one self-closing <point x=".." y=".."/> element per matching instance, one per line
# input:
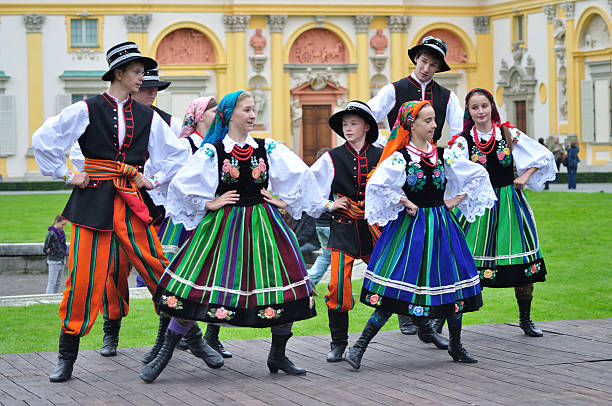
<point x="242" y="264"/>
<point x="200" y="114"/>
<point x="504" y="240"/>
<point x="421" y="265"/>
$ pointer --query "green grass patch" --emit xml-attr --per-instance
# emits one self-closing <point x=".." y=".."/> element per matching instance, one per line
<point x="574" y="230"/>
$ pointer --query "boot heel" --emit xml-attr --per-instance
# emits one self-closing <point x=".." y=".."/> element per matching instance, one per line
<point x="273" y="369"/>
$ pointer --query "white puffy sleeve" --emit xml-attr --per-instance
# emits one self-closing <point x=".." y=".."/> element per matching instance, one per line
<point x="292" y="181"/>
<point x="528" y="153"/>
<point x="56" y="135"/>
<point x="76" y="157"/>
<point x="192" y="187"/>
<point x="383" y="102"/>
<point x="466" y="177"/>
<point x="323" y="171"/>
<point x="384" y="190"/>
<point x="176" y="124"/>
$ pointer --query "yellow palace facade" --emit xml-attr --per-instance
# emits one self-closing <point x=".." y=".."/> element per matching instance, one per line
<point x="547" y="62"/>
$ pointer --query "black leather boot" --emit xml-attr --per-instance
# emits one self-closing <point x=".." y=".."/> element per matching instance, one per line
<point x="437" y="324"/>
<point x="164" y="320"/>
<point x="212" y="338"/>
<point x="67" y="355"/>
<point x="110" y="341"/>
<point x="405" y="325"/>
<point x="525" y="322"/>
<point x="200" y="349"/>
<point x="277" y="358"/>
<point x="151" y="371"/>
<point x="427" y="334"/>
<point x="338" y="327"/>
<point x="455" y="349"/>
<point x="355" y="353"/>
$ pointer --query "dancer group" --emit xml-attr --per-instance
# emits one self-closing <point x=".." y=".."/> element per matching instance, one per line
<point x="197" y="210"/>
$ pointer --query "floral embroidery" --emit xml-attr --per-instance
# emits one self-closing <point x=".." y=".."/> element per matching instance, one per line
<point x="397" y="160"/>
<point x="271" y="146"/>
<point x="312" y="302"/>
<point x="230" y="171"/>
<point x="258" y="170"/>
<point x="502" y="153"/>
<point x="487" y="273"/>
<point x="220" y="313"/>
<point x="270" y="313"/>
<point x="438" y="177"/>
<point x="418" y="310"/>
<point x="533" y="269"/>
<point x="209" y="152"/>
<point x="172" y="302"/>
<point x="459" y="307"/>
<point x="373" y="299"/>
<point x="415" y="176"/>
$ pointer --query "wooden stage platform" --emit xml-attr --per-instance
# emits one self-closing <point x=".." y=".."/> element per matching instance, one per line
<point x="570" y="365"/>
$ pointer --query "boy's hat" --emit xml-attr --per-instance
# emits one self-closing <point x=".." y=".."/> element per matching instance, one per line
<point x="431" y="43"/>
<point x="360" y="109"/>
<point x="151" y="79"/>
<point x="122" y="54"/>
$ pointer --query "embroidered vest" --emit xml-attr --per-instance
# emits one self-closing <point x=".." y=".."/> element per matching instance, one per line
<point x="498" y="163"/>
<point x="351" y="169"/>
<point x="424" y="184"/>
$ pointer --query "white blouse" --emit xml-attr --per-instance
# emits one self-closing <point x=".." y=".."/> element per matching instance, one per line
<point x="526" y="153"/>
<point x="384" y="189"/>
<point x="196" y="182"/>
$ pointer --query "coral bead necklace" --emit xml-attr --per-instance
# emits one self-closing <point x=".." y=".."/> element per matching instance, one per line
<point x="485" y="147"/>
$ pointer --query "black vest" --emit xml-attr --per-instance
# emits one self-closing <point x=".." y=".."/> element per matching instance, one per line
<point x="92" y="207"/>
<point x="501" y="172"/>
<point x="408" y="89"/>
<point x="165" y="116"/>
<point x="350" y="176"/>
<point x="424" y="184"/>
<point x="247" y="177"/>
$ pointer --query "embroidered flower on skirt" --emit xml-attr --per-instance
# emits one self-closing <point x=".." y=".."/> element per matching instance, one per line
<point x="487" y="273"/>
<point x="459" y="307"/>
<point x="533" y="269"/>
<point x="270" y="313"/>
<point x="418" y="311"/>
<point x="172" y="302"/>
<point x="374" y="300"/>
<point x="221" y="313"/>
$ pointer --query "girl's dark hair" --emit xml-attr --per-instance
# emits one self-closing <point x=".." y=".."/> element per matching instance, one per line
<point x="58" y="219"/>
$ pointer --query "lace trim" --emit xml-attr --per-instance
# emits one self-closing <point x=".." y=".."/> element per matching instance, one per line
<point x="190" y="211"/>
<point x="159" y="194"/>
<point x="302" y="199"/>
<point x="546" y="173"/>
<point x="480" y="196"/>
<point x="382" y="204"/>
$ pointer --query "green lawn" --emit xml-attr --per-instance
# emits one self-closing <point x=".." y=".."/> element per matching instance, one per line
<point x="574" y="230"/>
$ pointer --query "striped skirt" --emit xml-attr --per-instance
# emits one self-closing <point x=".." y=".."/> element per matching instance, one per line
<point x="241" y="266"/>
<point x="171" y="236"/>
<point x="422" y="266"/>
<point x="504" y="242"/>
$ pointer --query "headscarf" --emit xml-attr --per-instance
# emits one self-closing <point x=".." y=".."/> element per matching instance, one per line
<point x="194" y="114"/>
<point x="219" y="127"/>
<point x="468" y="123"/>
<point x="400" y="134"/>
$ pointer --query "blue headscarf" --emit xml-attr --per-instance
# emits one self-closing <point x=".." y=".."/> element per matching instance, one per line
<point x="219" y="127"/>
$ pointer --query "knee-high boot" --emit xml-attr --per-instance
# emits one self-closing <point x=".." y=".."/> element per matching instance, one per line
<point x="212" y="338"/>
<point x="164" y="320"/>
<point x="110" y="341"/>
<point x="405" y="324"/>
<point x="355" y="353"/>
<point x="455" y="349"/>
<point x="525" y="322"/>
<point x="151" y="371"/>
<point x="67" y="355"/>
<point x="198" y="347"/>
<point x="338" y="327"/>
<point x="277" y="358"/>
<point x="427" y="334"/>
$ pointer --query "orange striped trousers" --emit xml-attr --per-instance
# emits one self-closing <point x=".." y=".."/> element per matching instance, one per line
<point x="93" y="253"/>
<point x="340" y="296"/>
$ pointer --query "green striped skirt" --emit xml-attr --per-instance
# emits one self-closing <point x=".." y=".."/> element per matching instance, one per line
<point x="241" y="266"/>
<point x="504" y="242"/>
<point x="171" y="236"/>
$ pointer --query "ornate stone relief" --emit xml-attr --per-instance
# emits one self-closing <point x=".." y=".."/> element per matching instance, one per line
<point x="259" y="104"/>
<point x="379" y="42"/>
<point x="33" y="22"/>
<point x="235" y="22"/>
<point x="569" y="8"/>
<point x="362" y="23"/>
<point x="296" y="120"/>
<point x="318" y="46"/>
<point x="398" y="23"/>
<point x="277" y="22"/>
<point x="258" y="42"/>
<point x="482" y="24"/>
<point x="456" y="51"/>
<point x="559" y="47"/>
<point x="84" y="53"/>
<point x="595" y="36"/>
<point x="137" y="22"/>
<point x="550" y="10"/>
<point x="185" y="46"/>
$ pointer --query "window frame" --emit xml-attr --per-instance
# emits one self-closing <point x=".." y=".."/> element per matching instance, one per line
<point x="78" y="47"/>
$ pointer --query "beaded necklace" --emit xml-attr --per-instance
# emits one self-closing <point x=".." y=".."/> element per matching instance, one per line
<point x="424" y="155"/>
<point x="242" y="153"/>
<point x="484" y="147"/>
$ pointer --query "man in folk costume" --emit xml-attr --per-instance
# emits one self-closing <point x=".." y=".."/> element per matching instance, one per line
<point x="428" y="57"/>
<point x="116" y="134"/>
<point x="342" y="174"/>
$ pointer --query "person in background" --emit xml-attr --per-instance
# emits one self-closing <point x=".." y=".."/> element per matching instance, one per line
<point x="541" y="141"/>
<point x="557" y="149"/>
<point x="55" y="249"/>
<point x="572" y="164"/>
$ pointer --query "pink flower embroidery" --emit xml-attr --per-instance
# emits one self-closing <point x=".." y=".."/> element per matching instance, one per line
<point x="534" y="268"/>
<point x="234" y="172"/>
<point x="262" y="165"/>
<point x="456" y="307"/>
<point x="482" y="159"/>
<point x="269" y="313"/>
<point x="374" y="299"/>
<point x="436" y="173"/>
<point x="501" y="155"/>
<point x="221" y="313"/>
<point x="226" y="166"/>
<point x="256" y="173"/>
<point x="172" y="301"/>
<point x="419" y="175"/>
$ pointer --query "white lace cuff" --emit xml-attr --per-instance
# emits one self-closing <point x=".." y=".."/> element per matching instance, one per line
<point x="304" y="197"/>
<point x="189" y="211"/>
<point x="382" y="204"/>
<point x="546" y="173"/>
<point x="159" y="194"/>
<point x="480" y="196"/>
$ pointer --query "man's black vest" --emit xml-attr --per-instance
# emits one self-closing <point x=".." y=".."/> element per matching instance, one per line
<point x="408" y="89"/>
<point x="92" y="207"/>
<point x="165" y="116"/>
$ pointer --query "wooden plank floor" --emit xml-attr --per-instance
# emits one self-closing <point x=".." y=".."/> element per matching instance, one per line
<point x="570" y="365"/>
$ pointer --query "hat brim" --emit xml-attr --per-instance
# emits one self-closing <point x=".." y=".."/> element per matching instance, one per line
<point x="335" y="122"/>
<point x="148" y="63"/>
<point x="412" y="52"/>
<point x="160" y="85"/>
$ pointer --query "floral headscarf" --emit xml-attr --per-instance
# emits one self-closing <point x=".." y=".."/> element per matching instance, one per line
<point x="400" y="135"/>
<point x="219" y="127"/>
<point x="194" y="114"/>
<point x="468" y="123"/>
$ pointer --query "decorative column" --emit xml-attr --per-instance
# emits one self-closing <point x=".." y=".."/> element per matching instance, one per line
<point x="398" y="29"/>
<point x="235" y="39"/>
<point x="138" y="30"/>
<point x="484" y="55"/>
<point x="552" y="25"/>
<point x="362" y="28"/>
<point x="571" y="78"/>
<point x="33" y="24"/>
<point x="280" y="125"/>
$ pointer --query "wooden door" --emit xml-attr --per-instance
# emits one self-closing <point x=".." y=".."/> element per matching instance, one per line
<point x="520" y="109"/>
<point x="316" y="133"/>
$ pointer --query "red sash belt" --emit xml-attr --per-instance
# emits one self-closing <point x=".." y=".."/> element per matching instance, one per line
<point x="356" y="211"/>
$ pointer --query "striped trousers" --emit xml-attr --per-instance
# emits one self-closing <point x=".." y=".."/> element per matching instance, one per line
<point x="93" y="253"/>
<point x="340" y="296"/>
